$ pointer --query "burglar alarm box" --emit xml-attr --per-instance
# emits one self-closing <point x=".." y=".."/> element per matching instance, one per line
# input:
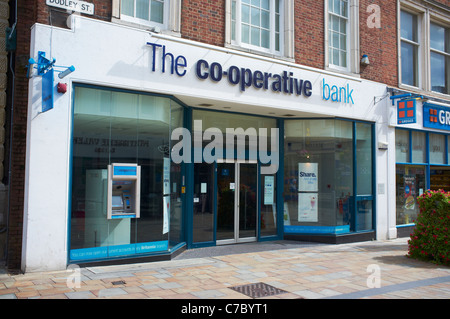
<point x="124" y="190"/>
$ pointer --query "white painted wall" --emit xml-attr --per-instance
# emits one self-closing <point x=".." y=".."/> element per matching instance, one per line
<point x="117" y="56"/>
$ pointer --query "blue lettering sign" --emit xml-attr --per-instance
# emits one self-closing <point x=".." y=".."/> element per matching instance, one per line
<point x="245" y="78"/>
<point x="337" y="94"/>
<point x="177" y="64"/>
<point x="240" y="76"/>
<point x="436" y="116"/>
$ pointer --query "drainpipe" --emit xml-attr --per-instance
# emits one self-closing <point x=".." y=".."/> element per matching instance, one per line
<point x="13" y="89"/>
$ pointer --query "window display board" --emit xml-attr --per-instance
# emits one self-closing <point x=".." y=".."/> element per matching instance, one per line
<point x="308" y="192"/>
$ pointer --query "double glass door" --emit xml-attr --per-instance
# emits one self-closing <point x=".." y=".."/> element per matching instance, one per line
<point x="237" y="202"/>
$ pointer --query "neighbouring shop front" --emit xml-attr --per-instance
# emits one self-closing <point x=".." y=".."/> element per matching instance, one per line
<point x="422" y="156"/>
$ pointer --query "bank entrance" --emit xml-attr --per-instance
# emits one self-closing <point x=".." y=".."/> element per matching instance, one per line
<point x="237" y="202"/>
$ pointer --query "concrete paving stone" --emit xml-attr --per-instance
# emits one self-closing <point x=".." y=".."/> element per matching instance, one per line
<point x="149" y="286"/>
<point x="111" y="292"/>
<point x="207" y="294"/>
<point x="307" y="294"/>
<point x="170" y="285"/>
<point x="54" y="291"/>
<point x="27" y="294"/>
<point x="80" y="295"/>
<point x="57" y="296"/>
<point x="340" y="274"/>
<point x="158" y="293"/>
<point x="7" y="291"/>
<point x="8" y="296"/>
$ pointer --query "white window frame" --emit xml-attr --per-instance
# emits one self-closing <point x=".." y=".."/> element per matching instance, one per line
<point x="420" y="45"/>
<point x="286" y="31"/>
<point x="353" y="51"/>
<point x="426" y="16"/>
<point x="445" y="25"/>
<point x="171" y="20"/>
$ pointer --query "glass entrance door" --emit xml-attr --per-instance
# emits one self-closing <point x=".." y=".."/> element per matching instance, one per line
<point x="236" y="202"/>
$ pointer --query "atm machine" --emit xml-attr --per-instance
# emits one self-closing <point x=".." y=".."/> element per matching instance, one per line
<point x="124" y="190"/>
<point x="112" y="199"/>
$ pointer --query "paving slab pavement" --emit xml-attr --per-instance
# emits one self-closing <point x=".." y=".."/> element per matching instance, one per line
<point x="274" y="270"/>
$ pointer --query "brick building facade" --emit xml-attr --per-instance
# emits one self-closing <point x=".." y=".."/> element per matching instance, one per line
<point x="205" y="22"/>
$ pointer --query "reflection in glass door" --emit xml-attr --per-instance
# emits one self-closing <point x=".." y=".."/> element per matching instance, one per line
<point x="236" y="202"/>
<point x="247" y="200"/>
<point x="203" y="209"/>
<point x="225" y="201"/>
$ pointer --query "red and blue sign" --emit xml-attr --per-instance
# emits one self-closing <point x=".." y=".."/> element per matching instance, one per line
<point x="436" y="116"/>
<point x="406" y="111"/>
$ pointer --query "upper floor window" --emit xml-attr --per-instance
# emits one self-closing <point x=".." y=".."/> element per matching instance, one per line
<point x="440" y="58"/>
<point x="338" y="33"/>
<point x="409" y="34"/>
<point x="342" y="35"/>
<point x="424" y="48"/>
<point x="257" y="24"/>
<point x="144" y="11"/>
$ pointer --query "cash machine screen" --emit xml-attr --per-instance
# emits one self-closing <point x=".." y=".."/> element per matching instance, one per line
<point x="117" y="202"/>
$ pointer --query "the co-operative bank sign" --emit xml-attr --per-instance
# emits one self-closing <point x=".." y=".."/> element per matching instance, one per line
<point x="244" y="78"/>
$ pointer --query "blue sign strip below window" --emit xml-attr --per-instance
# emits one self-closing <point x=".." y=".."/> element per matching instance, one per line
<point x="317" y="229"/>
<point x="84" y="254"/>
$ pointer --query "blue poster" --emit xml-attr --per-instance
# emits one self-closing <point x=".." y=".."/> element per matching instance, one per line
<point x="47" y="91"/>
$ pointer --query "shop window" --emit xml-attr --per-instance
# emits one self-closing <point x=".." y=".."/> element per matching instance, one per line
<point x="409" y="33"/>
<point x="440" y="58"/>
<point x="440" y="178"/>
<point x="410" y="183"/>
<point x="342" y="35"/>
<point x="402" y="146"/>
<point x="448" y="149"/>
<point x="268" y="219"/>
<point x="437" y="148"/>
<point x="364" y="158"/>
<point x="319" y="167"/>
<point x="418" y="148"/>
<point x="109" y="127"/>
<point x="260" y="25"/>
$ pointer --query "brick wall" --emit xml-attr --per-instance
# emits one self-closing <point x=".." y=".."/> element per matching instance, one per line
<point x="4" y="15"/>
<point x="309" y="33"/>
<point x="26" y="16"/>
<point x="380" y="44"/>
<point x="203" y="21"/>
